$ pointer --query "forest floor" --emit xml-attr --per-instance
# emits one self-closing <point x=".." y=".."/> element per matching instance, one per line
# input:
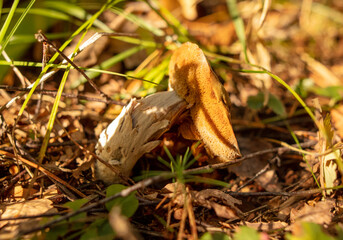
<point x="281" y="63"/>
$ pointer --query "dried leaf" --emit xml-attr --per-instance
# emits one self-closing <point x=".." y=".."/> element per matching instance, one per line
<point x="121" y="225"/>
<point x="208" y="198"/>
<point x="28" y="208"/>
<point x="267" y="226"/>
<point x="189" y="9"/>
<point x="319" y="213"/>
<point x="337" y="116"/>
<point x="330" y="170"/>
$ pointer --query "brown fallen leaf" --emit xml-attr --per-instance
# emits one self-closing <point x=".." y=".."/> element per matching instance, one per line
<point x="121" y="225"/>
<point x="209" y="198"/>
<point x="20" y="209"/>
<point x="319" y="213"/>
<point x="336" y="116"/>
<point x="267" y="226"/>
<point x="192" y="78"/>
<point x="269" y="179"/>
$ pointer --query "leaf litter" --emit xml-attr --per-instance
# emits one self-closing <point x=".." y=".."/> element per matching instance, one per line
<point x="274" y="193"/>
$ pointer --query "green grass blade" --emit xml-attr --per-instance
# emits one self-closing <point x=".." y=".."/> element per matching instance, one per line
<point x="186" y="158"/>
<point x="239" y="25"/>
<point x="170" y="156"/>
<point x="170" y="20"/>
<point x="305" y="159"/>
<point x="1" y="3"/>
<point x="211" y="181"/>
<point x="145" y="43"/>
<point x="138" y="21"/>
<point x="53" y="116"/>
<point x="283" y="83"/>
<point x="76" y="12"/>
<point x="45" y="12"/>
<point x="329" y="12"/>
<point x="156" y="74"/>
<point x="7" y="23"/>
<point x="21" y="18"/>
<point x="191" y="162"/>
<point x="20" y="63"/>
<point x="89" y="70"/>
<point x="108" y="63"/>
<point x="164" y="162"/>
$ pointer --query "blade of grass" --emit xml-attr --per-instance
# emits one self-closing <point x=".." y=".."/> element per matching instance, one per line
<point x="90" y="70"/>
<point x="328" y="12"/>
<point x="299" y="146"/>
<point x="76" y="12"/>
<point x="239" y="25"/>
<point x="283" y="83"/>
<point x="1" y="3"/>
<point x="21" y="18"/>
<point x="7" y="23"/>
<point x="53" y="115"/>
<point x="156" y="74"/>
<point x="107" y="64"/>
<point x="45" y="12"/>
<point x="211" y="181"/>
<point x="145" y="43"/>
<point x="138" y="21"/>
<point x="170" y="20"/>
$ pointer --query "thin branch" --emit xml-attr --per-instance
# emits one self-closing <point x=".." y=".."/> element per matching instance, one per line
<point x="288" y="194"/>
<point x="210" y="167"/>
<point x="68" y="95"/>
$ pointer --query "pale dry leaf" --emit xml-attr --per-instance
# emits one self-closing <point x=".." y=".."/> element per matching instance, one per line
<point x="330" y="169"/>
<point x="320" y="213"/>
<point x="28" y="208"/>
<point x="209" y="198"/>
<point x="189" y="9"/>
<point x="121" y="225"/>
<point x="337" y="116"/>
<point x="269" y="181"/>
<point x="260" y="56"/>
<point x="213" y="34"/>
<point x="85" y="165"/>
<point x="175" y="191"/>
<point x="223" y="211"/>
<point x="323" y="76"/>
<point x="265" y="8"/>
<point x="267" y="226"/>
